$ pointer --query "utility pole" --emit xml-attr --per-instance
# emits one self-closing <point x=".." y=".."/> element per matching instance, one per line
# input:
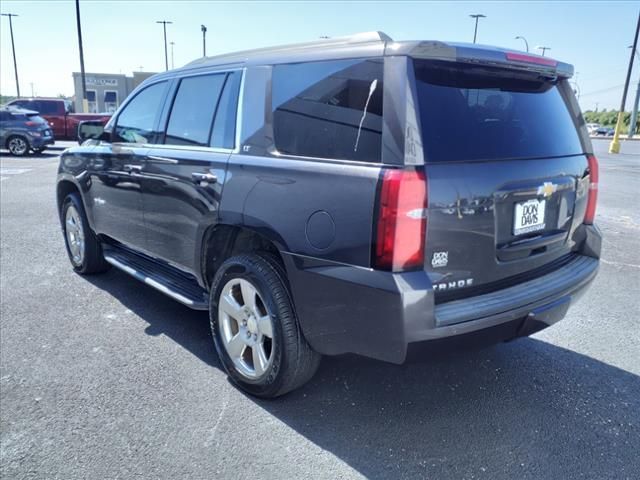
<point x="544" y="49"/>
<point x="83" y="80"/>
<point x="477" y="16"/>
<point x="32" y="95"/>
<point x="164" y="28"/>
<point x="526" y="44"/>
<point x="597" y="103"/>
<point x="13" y="49"/>
<point x="614" y="146"/>
<point x="204" y="40"/>
<point x="172" y="64"/>
<point x="634" y="112"/>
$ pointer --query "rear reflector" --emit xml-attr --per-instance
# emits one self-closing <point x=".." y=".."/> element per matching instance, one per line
<point x="521" y="57"/>
<point x="592" y="199"/>
<point x="402" y="221"/>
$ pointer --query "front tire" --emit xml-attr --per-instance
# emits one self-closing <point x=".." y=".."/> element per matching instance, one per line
<point x="18" y="145"/>
<point x="255" y="329"/>
<point x="83" y="247"/>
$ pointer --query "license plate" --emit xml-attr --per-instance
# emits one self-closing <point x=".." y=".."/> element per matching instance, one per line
<point x="529" y="216"/>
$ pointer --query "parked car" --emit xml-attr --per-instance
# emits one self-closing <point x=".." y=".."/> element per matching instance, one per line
<point x="592" y="127"/>
<point x="302" y="196"/>
<point x="23" y="130"/>
<point x="603" y="132"/>
<point x="58" y="112"/>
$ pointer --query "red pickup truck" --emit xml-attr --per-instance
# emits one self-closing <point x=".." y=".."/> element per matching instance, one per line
<point x="58" y="112"/>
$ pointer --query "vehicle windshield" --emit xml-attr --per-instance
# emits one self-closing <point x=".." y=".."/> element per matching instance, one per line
<point x="476" y="113"/>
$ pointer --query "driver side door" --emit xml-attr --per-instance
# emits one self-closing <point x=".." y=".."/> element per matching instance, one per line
<point x="116" y="168"/>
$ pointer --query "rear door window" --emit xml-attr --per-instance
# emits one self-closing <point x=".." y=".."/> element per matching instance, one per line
<point x="473" y="113"/>
<point x="329" y="109"/>
<point x="193" y="110"/>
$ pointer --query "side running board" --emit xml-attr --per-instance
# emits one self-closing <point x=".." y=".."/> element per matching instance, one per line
<point x="168" y="280"/>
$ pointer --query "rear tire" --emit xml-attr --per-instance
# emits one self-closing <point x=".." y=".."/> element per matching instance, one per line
<point x="18" y="145"/>
<point x="251" y="311"/>
<point x="83" y="247"/>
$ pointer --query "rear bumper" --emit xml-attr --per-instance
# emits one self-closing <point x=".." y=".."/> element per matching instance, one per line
<point x="347" y="309"/>
<point x="39" y="142"/>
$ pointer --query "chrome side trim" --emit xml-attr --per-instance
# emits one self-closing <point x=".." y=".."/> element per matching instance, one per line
<point x="239" y="109"/>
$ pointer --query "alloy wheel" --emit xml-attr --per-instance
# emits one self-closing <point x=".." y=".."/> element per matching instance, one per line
<point x="75" y="235"/>
<point x="18" y="146"/>
<point x="246" y="328"/>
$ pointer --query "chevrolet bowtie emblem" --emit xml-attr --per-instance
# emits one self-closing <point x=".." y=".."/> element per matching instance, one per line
<point x="547" y="189"/>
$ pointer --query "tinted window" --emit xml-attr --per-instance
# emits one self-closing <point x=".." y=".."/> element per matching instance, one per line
<point x="193" y="109"/>
<point x="224" y="126"/>
<point x="137" y="121"/>
<point x="46" y="107"/>
<point x="329" y="109"/>
<point x="472" y="113"/>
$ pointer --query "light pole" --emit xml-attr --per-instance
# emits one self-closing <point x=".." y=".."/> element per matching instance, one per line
<point x="83" y="80"/>
<point x="614" y="146"/>
<point x="477" y="16"/>
<point x="634" y="112"/>
<point x="13" y="49"/>
<point x="172" y="64"/>
<point x="164" y="28"/>
<point x="544" y="49"/>
<point x="526" y="44"/>
<point x="204" y="40"/>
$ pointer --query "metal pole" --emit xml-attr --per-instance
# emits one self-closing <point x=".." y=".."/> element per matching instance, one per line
<point x="634" y="113"/>
<point x="13" y="49"/>
<point x="475" y="31"/>
<point x="614" y="147"/>
<point x="172" y="64"/>
<point x="204" y="40"/>
<point x="477" y="16"/>
<point x="85" y="105"/>
<point x="526" y="44"/>
<point x="166" y="55"/>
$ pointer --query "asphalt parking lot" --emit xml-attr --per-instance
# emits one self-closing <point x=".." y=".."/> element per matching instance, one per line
<point x="103" y="377"/>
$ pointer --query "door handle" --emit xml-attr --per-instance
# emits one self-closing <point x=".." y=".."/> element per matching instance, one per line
<point x="132" y="168"/>
<point x="203" y="178"/>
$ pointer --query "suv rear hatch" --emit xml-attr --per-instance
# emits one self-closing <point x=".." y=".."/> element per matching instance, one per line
<point x="506" y="172"/>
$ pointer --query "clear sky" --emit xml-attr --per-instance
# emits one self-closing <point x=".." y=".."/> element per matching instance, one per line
<point x="122" y="36"/>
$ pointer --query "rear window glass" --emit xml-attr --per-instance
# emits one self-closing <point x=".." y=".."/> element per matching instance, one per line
<point x="329" y="109"/>
<point x="472" y="113"/>
<point x="36" y="118"/>
<point x="193" y="110"/>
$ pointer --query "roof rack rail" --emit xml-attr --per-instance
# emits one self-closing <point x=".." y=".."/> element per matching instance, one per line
<point x="363" y="37"/>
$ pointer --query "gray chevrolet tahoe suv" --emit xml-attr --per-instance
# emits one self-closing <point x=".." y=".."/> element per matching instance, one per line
<point x="350" y="195"/>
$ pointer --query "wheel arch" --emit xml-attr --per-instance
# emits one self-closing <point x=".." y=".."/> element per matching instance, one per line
<point x="222" y="241"/>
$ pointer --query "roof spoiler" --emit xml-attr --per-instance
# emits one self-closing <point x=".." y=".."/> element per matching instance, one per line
<point x="491" y="56"/>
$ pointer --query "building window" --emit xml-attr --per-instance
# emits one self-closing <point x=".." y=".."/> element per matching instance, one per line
<point x="92" y="101"/>
<point x="110" y="101"/>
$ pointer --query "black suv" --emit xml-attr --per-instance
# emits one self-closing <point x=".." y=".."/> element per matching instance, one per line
<point x="350" y="195"/>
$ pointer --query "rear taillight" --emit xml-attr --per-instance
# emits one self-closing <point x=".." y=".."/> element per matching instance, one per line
<point x="592" y="199"/>
<point x="402" y="221"/>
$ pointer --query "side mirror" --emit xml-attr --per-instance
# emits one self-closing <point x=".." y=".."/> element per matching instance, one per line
<point x="92" y="130"/>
